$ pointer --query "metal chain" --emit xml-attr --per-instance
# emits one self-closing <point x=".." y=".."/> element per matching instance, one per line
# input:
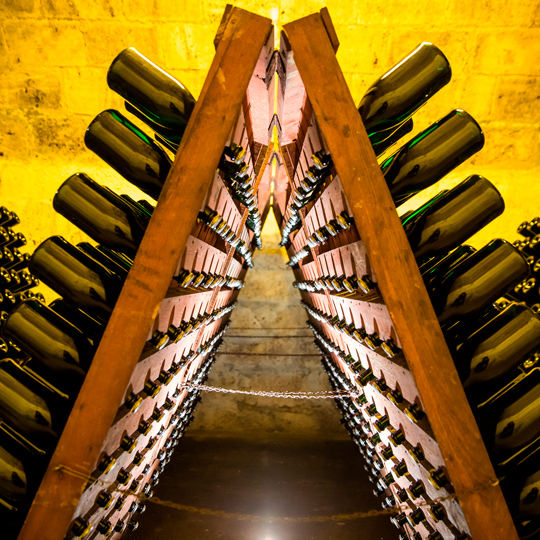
<point x="320" y="394"/>
<point x="114" y="489"/>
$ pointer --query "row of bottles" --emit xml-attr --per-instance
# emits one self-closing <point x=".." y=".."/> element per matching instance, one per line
<point x="215" y="222"/>
<point x="351" y="284"/>
<point x="204" y="280"/>
<point x="140" y="460"/>
<point x="16" y="281"/>
<point x="342" y="222"/>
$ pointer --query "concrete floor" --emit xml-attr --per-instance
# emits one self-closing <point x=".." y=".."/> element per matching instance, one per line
<point x="260" y="456"/>
<point x="264" y="476"/>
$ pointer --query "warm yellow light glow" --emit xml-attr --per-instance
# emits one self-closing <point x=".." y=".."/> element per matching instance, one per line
<point x="274" y="167"/>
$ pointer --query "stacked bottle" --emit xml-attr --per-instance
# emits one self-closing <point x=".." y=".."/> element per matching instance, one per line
<point x="16" y="282"/>
<point x="240" y="186"/>
<point x="528" y="291"/>
<point x="479" y="297"/>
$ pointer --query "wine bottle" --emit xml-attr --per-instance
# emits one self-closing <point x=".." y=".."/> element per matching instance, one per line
<point x="160" y="100"/>
<point x="509" y="420"/>
<point x="76" y="277"/>
<point x="103" y="259"/>
<point x="395" y="96"/>
<point x="91" y="327"/>
<point x="100" y="213"/>
<point x="129" y="151"/>
<point x="30" y="405"/>
<point x="497" y="347"/>
<point x="432" y="154"/>
<point x="477" y="281"/>
<point x="447" y="221"/>
<point x="21" y="468"/>
<point x="59" y="350"/>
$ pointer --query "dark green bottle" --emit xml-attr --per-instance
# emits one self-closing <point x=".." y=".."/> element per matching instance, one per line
<point x="129" y="151"/>
<point x="449" y="220"/>
<point x="101" y="214"/>
<point x="30" y="405"/>
<point x="92" y="327"/>
<point x="436" y="268"/>
<point x="509" y="420"/>
<point x="60" y="352"/>
<point x="21" y="468"/>
<point x="113" y="265"/>
<point x="75" y="276"/>
<point x="477" y="281"/>
<point x="497" y="347"/>
<point x="395" y="96"/>
<point x="162" y="100"/>
<point x="432" y="154"/>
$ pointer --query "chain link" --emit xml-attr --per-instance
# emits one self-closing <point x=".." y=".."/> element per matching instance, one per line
<point x="320" y="394"/>
<point x="114" y="489"/>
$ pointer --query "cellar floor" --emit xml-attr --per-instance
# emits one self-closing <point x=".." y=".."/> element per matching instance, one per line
<point x="277" y="475"/>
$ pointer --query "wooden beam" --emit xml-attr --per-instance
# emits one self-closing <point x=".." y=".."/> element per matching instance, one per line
<point x="399" y="281"/>
<point x="182" y="197"/>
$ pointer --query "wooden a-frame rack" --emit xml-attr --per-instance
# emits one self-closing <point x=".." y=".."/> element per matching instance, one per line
<point x="240" y="39"/>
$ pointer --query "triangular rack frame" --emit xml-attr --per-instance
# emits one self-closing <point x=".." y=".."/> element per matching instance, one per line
<point x="239" y="41"/>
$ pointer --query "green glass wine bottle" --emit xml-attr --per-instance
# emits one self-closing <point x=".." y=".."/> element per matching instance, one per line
<point x="450" y="219"/>
<point x="129" y="151"/>
<point x="76" y="276"/>
<point x="106" y="217"/>
<point x="497" y="347"/>
<point x="395" y="96"/>
<point x="477" y="281"/>
<point x="60" y="352"/>
<point x="30" y="405"/>
<point x="159" y="98"/>
<point x="432" y="154"/>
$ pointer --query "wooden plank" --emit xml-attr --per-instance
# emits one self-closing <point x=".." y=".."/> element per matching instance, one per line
<point x="182" y="196"/>
<point x="402" y="288"/>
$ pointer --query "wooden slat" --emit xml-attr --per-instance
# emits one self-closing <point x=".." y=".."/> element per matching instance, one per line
<point x="183" y="194"/>
<point x="402" y="288"/>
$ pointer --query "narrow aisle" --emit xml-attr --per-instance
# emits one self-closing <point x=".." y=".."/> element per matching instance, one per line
<point x="266" y="476"/>
<point x="265" y="456"/>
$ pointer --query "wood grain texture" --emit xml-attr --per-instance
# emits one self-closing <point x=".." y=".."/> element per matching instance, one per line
<point x="182" y="196"/>
<point x="399" y="281"/>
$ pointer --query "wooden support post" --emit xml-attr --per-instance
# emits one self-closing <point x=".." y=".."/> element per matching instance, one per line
<point x="399" y="280"/>
<point x="211" y="122"/>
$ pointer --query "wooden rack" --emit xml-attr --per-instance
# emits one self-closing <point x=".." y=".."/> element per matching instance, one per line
<point x="425" y="373"/>
<point x="151" y="300"/>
